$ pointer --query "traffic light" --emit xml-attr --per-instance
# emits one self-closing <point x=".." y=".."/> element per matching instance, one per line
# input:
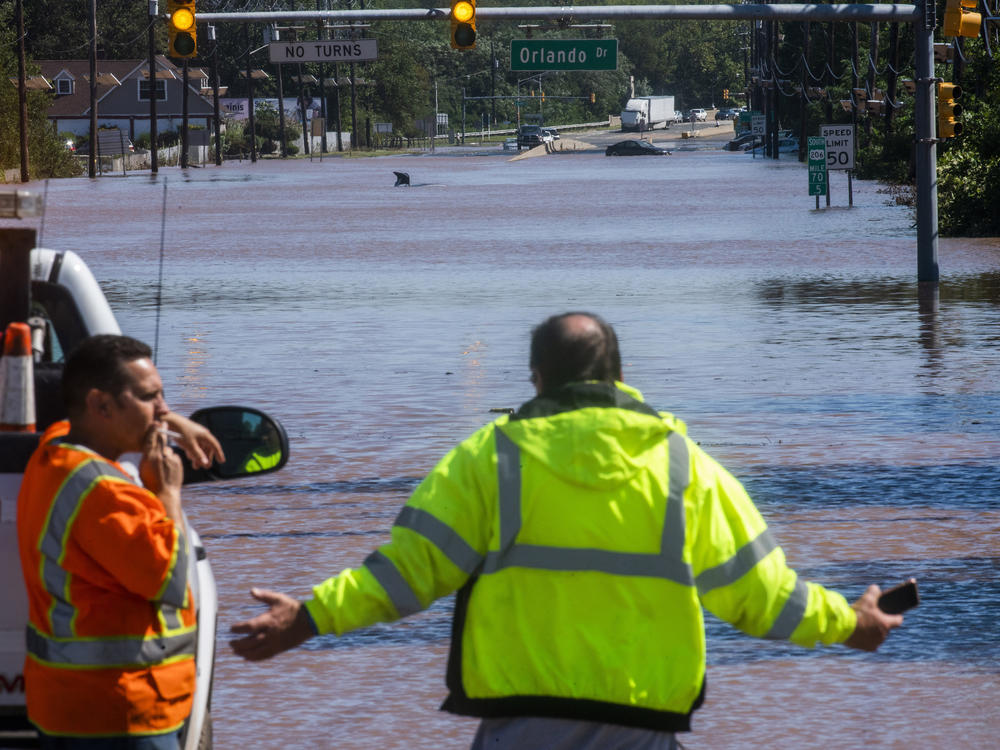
<point x="593" y="98"/>
<point x="961" y="22"/>
<point x="725" y="94"/>
<point x="948" y="111"/>
<point x="463" y="24"/>
<point x="183" y="38"/>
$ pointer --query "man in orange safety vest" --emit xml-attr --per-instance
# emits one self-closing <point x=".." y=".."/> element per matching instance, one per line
<point x="112" y="623"/>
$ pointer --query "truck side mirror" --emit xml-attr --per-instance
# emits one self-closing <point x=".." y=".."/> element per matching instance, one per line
<point x="253" y="442"/>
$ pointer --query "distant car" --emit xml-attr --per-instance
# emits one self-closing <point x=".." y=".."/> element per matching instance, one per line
<point x="635" y="148"/>
<point x="529" y="136"/>
<point x="697" y="115"/>
<point x="725" y="114"/>
<point x="552" y="133"/>
<point x="678" y="116"/>
<point x="510" y="144"/>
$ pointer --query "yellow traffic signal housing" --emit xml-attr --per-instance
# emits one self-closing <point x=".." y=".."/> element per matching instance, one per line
<point x="463" y="24"/>
<point x="725" y="94"/>
<point x="593" y="98"/>
<point x="949" y="112"/>
<point x="181" y="31"/>
<point x="961" y="22"/>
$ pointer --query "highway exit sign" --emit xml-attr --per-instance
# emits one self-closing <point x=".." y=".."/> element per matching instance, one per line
<point x="563" y="54"/>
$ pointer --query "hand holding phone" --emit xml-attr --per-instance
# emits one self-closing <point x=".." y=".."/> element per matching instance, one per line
<point x="900" y="598"/>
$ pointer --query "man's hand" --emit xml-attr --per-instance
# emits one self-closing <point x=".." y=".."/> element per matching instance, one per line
<point x="161" y="471"/>
<point x="284" y="626"/>
<point x="873" y="624"/>
<point x="200" y="445"/>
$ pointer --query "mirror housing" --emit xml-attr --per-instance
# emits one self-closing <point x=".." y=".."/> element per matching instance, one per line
<point x="254" y="444"/>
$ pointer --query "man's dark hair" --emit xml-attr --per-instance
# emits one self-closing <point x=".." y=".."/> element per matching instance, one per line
<point x="98" y="362"/>
<point x="563" y="353"/>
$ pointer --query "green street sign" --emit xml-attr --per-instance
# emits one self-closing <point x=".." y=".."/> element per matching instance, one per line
<point x="817" y="165"/>
<point x="563" y="54"/>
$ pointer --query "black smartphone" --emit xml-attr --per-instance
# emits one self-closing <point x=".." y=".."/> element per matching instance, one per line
<point x="900" y="598"/>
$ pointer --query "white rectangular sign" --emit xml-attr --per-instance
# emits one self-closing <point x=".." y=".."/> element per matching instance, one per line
<point x="757" y="124"/>
<point x="324" y="50"/>
<point x="839" y="146"/>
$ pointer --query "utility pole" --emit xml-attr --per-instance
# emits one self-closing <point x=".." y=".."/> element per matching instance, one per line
<point x="184" y="116"/>
<point x="336" y="104"/>
<point x="321" y="34"/>
<point x="154" y="163"/>
<point x="92" y="156"/>
<point x="250" y="102"/>
<point x="22" y="94"/>
<point x="493" y="83"/>
<point x="215" y="96"/>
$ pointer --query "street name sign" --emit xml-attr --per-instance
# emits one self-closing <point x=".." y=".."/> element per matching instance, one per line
<point x="817" y="165"/>
<point x="324" y="50"/>
<point x="563" y="54"/>
<point x="839" y="146"/>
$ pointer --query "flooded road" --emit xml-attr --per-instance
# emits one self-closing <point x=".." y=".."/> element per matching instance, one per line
<point x="382" y="324"/>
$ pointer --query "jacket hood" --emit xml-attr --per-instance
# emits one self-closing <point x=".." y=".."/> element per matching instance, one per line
<point x="595" y="435"/>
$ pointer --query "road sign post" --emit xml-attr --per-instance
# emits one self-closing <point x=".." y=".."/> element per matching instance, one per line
<point x="817" y="167"/>
<point x="563" y="54"/>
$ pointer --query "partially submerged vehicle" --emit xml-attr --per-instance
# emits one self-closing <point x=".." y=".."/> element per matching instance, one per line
<point x="635" y="148"/>
<point x="57" y="296"/>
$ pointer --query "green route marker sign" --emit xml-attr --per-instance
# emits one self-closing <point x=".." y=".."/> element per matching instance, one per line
<point x="563" y="54"/>
<point x="817" y="165"/>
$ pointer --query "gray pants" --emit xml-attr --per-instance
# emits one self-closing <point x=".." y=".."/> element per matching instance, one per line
<point x="537" y="733"/>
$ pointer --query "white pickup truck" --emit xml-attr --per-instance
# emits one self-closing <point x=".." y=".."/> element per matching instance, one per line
<point x="56" y="294"/>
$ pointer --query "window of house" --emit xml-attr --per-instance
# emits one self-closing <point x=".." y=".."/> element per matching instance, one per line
<point x="161" y="90"/>
<point x="64" y="86"/>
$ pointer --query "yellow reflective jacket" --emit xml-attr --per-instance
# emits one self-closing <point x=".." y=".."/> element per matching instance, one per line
<point x="583" y="534"/>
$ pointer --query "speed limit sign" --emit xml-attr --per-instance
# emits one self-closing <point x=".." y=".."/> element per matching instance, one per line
<point x="839" y="146"/>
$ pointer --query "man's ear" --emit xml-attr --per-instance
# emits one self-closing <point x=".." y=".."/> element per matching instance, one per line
<point x="98" y="403"/>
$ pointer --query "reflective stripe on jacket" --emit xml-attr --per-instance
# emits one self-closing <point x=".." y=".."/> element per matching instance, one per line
<point x="585" y="534"/>
<point x="112" y="625"/>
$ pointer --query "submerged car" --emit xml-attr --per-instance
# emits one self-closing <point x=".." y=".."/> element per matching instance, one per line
<point x="635" y="148"/>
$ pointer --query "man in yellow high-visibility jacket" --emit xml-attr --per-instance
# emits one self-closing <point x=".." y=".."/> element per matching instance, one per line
<point x="583" y="534"/>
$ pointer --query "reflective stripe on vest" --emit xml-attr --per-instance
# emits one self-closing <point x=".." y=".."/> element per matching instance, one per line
<point x="121" y="651"/>
<point x="668" y="563"/>
<point x="52" y="544"/>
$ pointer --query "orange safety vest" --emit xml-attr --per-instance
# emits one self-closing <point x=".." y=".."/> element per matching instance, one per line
<point x="112" y="625"/>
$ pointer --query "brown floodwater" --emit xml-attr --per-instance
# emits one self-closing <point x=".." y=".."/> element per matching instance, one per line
<point x="381" y="325"/>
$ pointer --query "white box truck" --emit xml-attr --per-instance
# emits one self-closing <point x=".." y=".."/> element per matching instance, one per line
<point x="648" y="113"/>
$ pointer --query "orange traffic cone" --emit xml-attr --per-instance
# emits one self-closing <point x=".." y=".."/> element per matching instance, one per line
<point x="17" y="387"/>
